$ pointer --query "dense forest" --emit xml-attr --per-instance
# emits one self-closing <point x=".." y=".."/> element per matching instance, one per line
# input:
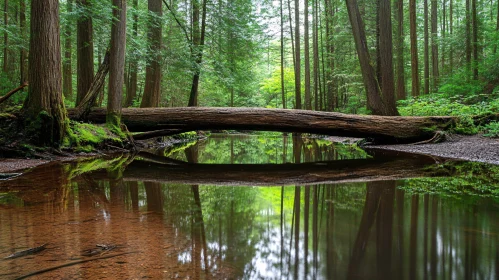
<point x="359" y="56"/>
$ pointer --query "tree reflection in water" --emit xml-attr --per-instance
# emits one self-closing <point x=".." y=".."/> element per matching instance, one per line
<point x="373" y="230"/>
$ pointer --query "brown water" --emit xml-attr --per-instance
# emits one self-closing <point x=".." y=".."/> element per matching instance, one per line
<point x="199" y="221"/>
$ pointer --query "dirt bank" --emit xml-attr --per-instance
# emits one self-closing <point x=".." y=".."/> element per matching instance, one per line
<point x="472" y="148"/>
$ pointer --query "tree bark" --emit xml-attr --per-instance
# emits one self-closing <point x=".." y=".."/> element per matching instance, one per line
<point x="84" y="51"/>
<point x="198" y="42"/>
<point x="131" y="91"/>
<point x="5" y="67"/>
<point x="82" y="110"/>
<point x="116" y="63"/>
<point x="23" y="66"/>
<point x="306" y="49"/>
<point x="382" y="129"/>
<point x="414" y="49"/>
<point x="386" y="54"/>
<point x="67" y="76"/>
<point x="152" y="88"/>
<point x="434" y="46"/>
<point x="400" y="92"/>
<point x="475" y="39"/>
<point x="44" y="105"/>
<point x="283" y="93"/>
<point x="426" y="51"/>
<point x="297" y="57"/>
<point x="468" y="34"/>
<point x="375" y="100"/>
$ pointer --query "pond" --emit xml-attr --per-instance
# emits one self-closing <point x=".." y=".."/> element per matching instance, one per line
<point x="267" y="206"/>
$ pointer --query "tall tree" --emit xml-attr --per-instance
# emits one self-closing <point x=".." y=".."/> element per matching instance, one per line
<point x="67" y="78"/>
<point x="44" y="109"/>
<point x="315" y="51"/>
<point x="24" y="54"/>
<point x="116" y="63"/>
<point x="414" y="48"/>
<point x="475" y="39"/>
<point x="400" y="50"/>
<point x="5" y="67"/>
<point x="152" y="89"/>
<point x="297" y="57"/>
<point x="468" y="34"/>
<point x="375" y="101"/>
<point x="387" y="84"/>
<point x="131" y="86"/>
<point x="306" y="49"/>
<point x="426" y="51"/>
<point x="451" y="30"/>
<point x="84" y="50"/>
<point x="330" y="81"/>
<point x="283" y="93"/>
<point x="434" y="45"/>
<point x="198" y="36"/>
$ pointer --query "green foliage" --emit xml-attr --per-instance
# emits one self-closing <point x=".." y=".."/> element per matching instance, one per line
<point x="467" y="178"/>
<point x="466" y="125"/>
<point x="492" y="130"/>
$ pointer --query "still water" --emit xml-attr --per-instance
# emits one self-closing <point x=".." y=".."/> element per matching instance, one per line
<point x="254" y="207"/>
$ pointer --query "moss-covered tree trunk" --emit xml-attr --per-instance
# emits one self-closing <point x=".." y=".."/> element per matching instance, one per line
<point x="116" y="63"/>
<point x="44" y="109"/>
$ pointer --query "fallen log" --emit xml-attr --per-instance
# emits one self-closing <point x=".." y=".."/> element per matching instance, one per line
<point x="10" y="93"/>
<point x="379" y="129"/>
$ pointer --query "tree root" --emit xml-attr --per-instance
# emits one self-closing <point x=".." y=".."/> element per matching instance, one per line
<point x="438" y="137"/>
<point x="73" y="263"/>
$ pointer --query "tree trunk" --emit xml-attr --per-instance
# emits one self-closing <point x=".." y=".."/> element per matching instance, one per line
<point x="131" y="91"/>
<point x="24" y="54"/>
<point x="426" y="51"/>
<point x="84" y="52"/>
<point x="386" y="54"/>
<point x="414" y="49"/>
<point x="297" y="57"/>
<point x="90" y="98"/>
<point x="152" y="88"/>
<point x="283" y="92"/>
<point x="306" y="46"/>
<point x="381" y="129"/>
<point x="475" y="39"/>
<point x="198" y="42"/>
<point x="451" y="29"/>
<point x="400" y="51"/>
<point x="116" y="63"/>
<point x="5" y="67"/>
<point x="44" y="109"/>
<point x="375" y="101"/>
<point x="67" y="75"/>
<point x="497" y="26"/>
<point x="315" y="52"/>
<point x="434" y="46"/>
<point x="468" y="34"/>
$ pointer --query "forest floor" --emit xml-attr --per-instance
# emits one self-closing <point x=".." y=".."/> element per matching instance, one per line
<point x="471" y="148"/>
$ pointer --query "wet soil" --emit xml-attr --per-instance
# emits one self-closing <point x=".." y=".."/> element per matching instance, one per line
<point x="471" y="148"/>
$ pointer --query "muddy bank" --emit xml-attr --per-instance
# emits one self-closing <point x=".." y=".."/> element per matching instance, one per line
<point x="471" y="148"/>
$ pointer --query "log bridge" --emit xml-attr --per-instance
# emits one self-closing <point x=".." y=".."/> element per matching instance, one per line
<point x="155" y="122"/>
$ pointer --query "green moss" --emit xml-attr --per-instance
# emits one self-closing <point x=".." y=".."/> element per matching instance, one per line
<point x="84" y="137"/>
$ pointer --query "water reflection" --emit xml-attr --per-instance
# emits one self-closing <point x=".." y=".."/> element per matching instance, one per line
<point x="304" y="230"/>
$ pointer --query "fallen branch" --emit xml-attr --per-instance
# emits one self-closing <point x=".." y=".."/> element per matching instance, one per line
<point x="82" y="110"/>
<point x="73" y="263"/>
<point x="158" y="133"/>
<point x="10" y="93"/>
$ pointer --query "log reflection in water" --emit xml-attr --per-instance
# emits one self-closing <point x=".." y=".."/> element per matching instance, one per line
<point x="282" y="174"/>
